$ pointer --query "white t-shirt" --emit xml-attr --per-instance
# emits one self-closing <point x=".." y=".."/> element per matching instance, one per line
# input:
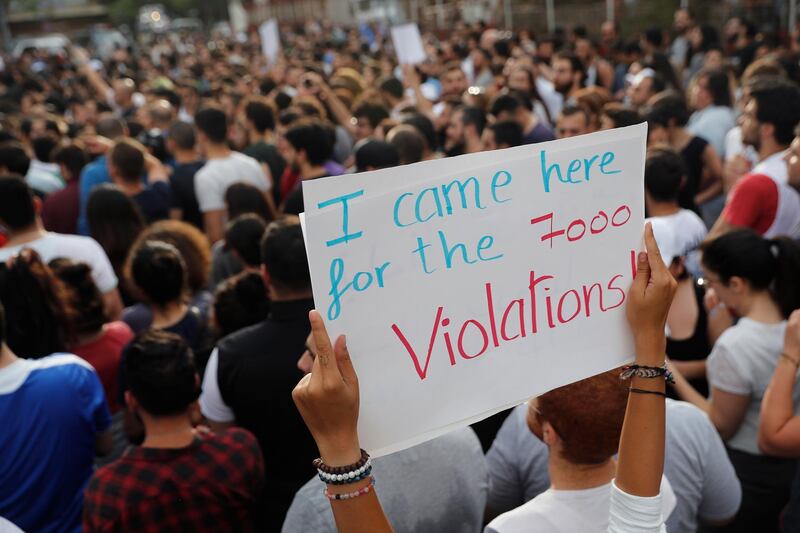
<point x="773" y="166"/>
<point x="211" y="181"/>
<point x="568" y="511"/>
<point x="75" y="247"/>
<point x="742" y="362"/>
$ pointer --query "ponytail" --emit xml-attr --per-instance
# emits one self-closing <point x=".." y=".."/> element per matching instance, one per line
<point x="785" y="288"/>
<point x="771" y="265"/>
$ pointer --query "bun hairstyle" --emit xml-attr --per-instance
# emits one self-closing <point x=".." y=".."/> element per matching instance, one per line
<point x="85" y="296"/>
<point x="767" y="264"/>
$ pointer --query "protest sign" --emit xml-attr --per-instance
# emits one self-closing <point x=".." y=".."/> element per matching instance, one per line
<point x="408" y="44"/>
<point x="270" y="42"/>
<point x="468" y="285"/>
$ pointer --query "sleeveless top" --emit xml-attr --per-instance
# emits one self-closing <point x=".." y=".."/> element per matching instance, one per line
<point x="697" y="346"/>
<point x="692" y="155"/>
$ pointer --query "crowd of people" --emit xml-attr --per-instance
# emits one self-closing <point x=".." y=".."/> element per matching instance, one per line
<point x="161" y="365"/>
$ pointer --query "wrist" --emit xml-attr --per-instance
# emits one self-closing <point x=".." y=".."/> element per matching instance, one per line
<point x="340" y="454"/>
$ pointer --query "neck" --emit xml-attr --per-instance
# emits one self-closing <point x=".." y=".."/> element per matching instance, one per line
<point x="662" y="209"/>
<point x="266" y="137"/>
<point x="288" y="296"/>
<point x="185" y="156"/>
<point x="678" y="137"/>
<point x="308" y="171"/>
<point x="217" y="151"/>
<point x="168" y="314"/>
<point x="168" y="431"/>
<point x="6" y="356"/>
<point x="762" y="308"/>
<point x="568" y="476"/>
<point x="29" y="234"/>
<point x="530" y="122"/>
<point x="769" y="147"/>
<point x="130" y="187"/>
<point x="472" y="144"/>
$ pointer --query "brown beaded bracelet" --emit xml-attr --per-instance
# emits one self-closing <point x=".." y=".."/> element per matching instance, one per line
<point x="320" y="465"/>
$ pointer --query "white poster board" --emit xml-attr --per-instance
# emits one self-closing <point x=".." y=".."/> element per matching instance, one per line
<point x="408" y="44"/>
<point x="270" y="41"/>
<point x="468" y="285"/>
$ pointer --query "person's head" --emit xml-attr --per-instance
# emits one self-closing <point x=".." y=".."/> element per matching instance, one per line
<point x="19" y="209"/>
<point x="284" y="264"/>
<point x="111" y="127"/>
<point x="159" y="272"/>
<point x="241" y="198"/>
<point x="792" y="158"/>
<point x="509" y="106"/>
<point x="42" y="321"/>
<point x="683" y="20"/>
<point x="572" y="121"/>
<point x="453" y="80"/>
<point x="668" y="111"/>
<point x="124" y="88"/>
<point x="741" y="264"/>
<point x="616" y="115"/>
<point x="644" y="86"/>
<point x="212" y="126"/>
<point x="425" y="127"/>
<point x="521" y="79"/>
<point x="160" y="374"/>
<point x="308" y="145"/>
<point x="502" y="134"/>
<point x="664" y="175"/>
<point x="157" y="114"/>
<point x="771" y="115"/>
<point x="85" y="297"/>
<point x="368" y="116"/>
<point x="126" y="161"/>
<point x="465" y="122"/>
<point x="115" y="222"/>
<point x="14" y="159"/>
<point x="710" y="87"/>
<point x="192" y="244"/>
<point x="581" y="423"/>
<point x="374" y="155"/>
<point x="409" y="143"/>
<point x="569" y="72"/>
<point x="43" y="148"/>
<point x="181" y="137"/>
<point x="259" y="115"/>
<point x="391" y="89"/>
<point x="71" y="159"/>
<point x="243" y="238"/>
<point x="240" y="301"/>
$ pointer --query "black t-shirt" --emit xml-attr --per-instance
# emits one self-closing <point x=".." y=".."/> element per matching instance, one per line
<point x="154" y="201"/>
<point x="183" y="197"/>
<point x="267" y="153"/>
<point x="294" y="200"/>
<point x="257" y="371"/>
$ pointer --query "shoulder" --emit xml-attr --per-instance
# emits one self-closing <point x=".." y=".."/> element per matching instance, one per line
<point x="756" y="183"/>
<point x="245" y="159"/>
<point x="63" y="370"/>
<point x="79" y="243"/>
<point x="684" y="414"/>
<point x="523" y="518"/>
<point x="119" y="330"/>
<point x="242" y="338"/>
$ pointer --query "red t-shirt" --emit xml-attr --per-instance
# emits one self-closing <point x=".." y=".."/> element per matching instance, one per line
<point x="753" y="203"/>
<point x="104" y="355"/>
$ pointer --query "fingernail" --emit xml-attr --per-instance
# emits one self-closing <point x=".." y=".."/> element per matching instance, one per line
<point x="642" y="257"/>
<point x="344" y="341"/>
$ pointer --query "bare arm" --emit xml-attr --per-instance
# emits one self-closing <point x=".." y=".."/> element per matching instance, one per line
<point x="100" y="86"/>
<point x="411" y="79"/>
<point x="711" y="185"/>
<point x="726" y="410"/>
<point x="720" y="227"/>
<point x="113" y="304"/>
<point x="213" y="222"/>
<point x="779" y="431"/>
<point x="691" y="369"/>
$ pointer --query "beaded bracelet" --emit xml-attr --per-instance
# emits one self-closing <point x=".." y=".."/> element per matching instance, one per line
<point x="642" y="371"/>
<point x="346" y="478"/>
<point x="321" y="466"/>
<point x="795" y="362"/>
<point x="348" y="495"/>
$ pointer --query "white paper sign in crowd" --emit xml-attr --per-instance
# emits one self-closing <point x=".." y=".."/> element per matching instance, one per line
<point x="467" y="285"/>
<point x="270" y="40"/>
<point x="408" y="44"/>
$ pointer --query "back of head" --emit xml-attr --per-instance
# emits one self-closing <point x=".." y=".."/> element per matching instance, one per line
<point x="85" y="296"/>
<point x="778" y="104"/>
<point x="261" y="112"/>
<point x="243" y="236"/>
<point x="73" y="158"/>
<point x="588" y="416"/>
<point x="506" y="103"/>
<point x="160" y="373"/>
<point x="159" y="272"/>
<point x="621" y="115"/>
<point x="373" y="112"/>
<point x="239" y="302"/>
<point x="663" y="174"/>
<point x="241" y="198"/>
<point x="392" y="86"/>
<point x="182" y="134"/>
<point x="718" y="86"/>
<point x="311" y="137"/>
<point x="409" y="143"/>
<point x="114" y="218"/>
<point x="43" y="148"/>
<point x="283" y="254"/>
<point x="507" y="133"/>
<point x="765" y="264"/>
<point x="14" y="158"/>
<point x="668" y="109"/>
<point x="213" y="123"/>
<point x="426" y="128"/>
<point x="192" y="244"/>
<point x="127" y="157"/>
<point x="17" y="211"/>
<point x="374" y="154"/>
<point x="41" y="320"/>
<point x="474" y="116"/>
<point x="110" y="127"/>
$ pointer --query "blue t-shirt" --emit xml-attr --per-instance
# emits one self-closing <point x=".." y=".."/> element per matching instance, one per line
<point x="51" y="410"/>
<point x="94" y="174"/>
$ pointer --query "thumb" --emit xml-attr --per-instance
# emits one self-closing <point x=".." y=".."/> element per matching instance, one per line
<point x="642" y="273"/>
<point x="343" y="360"/>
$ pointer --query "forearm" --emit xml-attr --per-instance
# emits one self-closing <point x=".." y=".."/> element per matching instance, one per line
<point x="713" y="190"/>
<point x="688" y="393"/>
<point x="777" y="407"/>
<point x="340" y="111"/>
<point x="691" y="369"/>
